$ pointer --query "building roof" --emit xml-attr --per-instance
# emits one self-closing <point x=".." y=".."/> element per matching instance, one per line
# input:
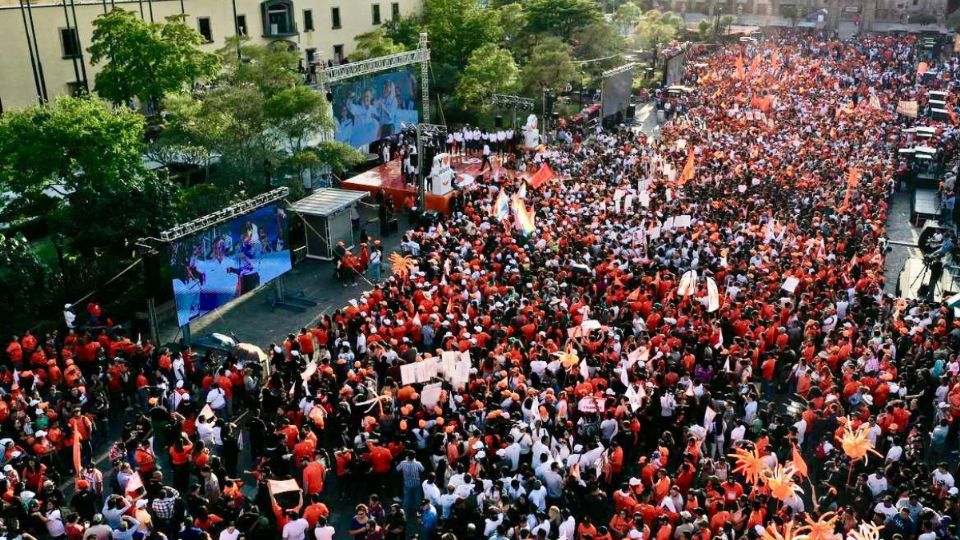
<point x="327" y="201"/>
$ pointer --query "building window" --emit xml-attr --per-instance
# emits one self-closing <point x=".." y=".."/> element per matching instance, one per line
<point x="69" y="42"/>
<point x="278" y="18"/>
<point x="335" y="17"/>
<point x="395" y="10"/>
<point x="308" y="20"/>
<point x="242" y="25"/>
<point x="338" y="54"/>
<point x="203" y="26"/>
<point x="376" y="14"/>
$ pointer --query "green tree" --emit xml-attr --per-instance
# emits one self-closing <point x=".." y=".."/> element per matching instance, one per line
<point x="513" y="23"/>
<point x="86" y="158"/>
<point x="457" y="28"/>
<point x="705" y="29"/>
<point x="147" y="61"/>
<point x="953" y="21"/>
<point x="657" y="29"/>
<point x="725" y="22"/>
<point x="626" y="17"/>
<point x="373" y="44"/>
<point x="270" y="68"/>
<point x="404" y="30"/>
<point x="491" y="70"/>
<point x="27" y="285"/>
<point x="560" y="18"/>
<point x="598" y="40"/>
<point x="338" y="156"/>
<point x="297" y="117"/>
<point x="550" y="66"/>
<point x="793" y="13"/>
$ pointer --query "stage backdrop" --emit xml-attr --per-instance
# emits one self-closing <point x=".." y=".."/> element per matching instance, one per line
<point x="211" y="267"/>
<point x="371" y="108"/>
<point x="615" y="93"/>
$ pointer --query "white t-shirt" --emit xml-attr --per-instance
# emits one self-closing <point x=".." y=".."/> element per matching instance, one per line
<point x="295" y="530"/>
<point x="216" y="399"/>
<point x="325" y="533"/>
<point x="227" y="535"/>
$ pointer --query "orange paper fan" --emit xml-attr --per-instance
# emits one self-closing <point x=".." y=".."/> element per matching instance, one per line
<point x="855" y="443"/>
<point x="789" y="533"/>
<point x="822" y="529"/>
<point x="401" y="264"/>
<point x="780" y="481"/>
<point x="866" y="531"/>
<point x="749" y="465"/>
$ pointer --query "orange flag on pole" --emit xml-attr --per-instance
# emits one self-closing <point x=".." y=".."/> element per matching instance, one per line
<point x="739" y="73"/>
<point x="755" y="65"/>
<point x="775" y="60"/>
<point x="798" y="463"/>
<point x="688" y="169"/>
<point x="76" y="452"/>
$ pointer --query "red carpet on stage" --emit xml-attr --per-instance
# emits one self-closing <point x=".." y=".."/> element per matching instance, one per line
<point x="388" y="177"/>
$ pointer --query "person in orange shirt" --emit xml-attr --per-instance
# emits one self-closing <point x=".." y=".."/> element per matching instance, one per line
<point x="180" y="454"/>
<point x="313" y="477"/>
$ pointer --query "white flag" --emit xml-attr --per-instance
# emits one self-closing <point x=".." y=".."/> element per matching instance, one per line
<point x="713" y="296"/>
<point x="688" y="283"/>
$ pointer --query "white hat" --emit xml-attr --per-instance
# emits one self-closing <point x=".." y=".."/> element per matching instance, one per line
<point x="7" y="468"/>
<point x="41" y="433"/>
<point x="141" y="503"/>
<point x="481" y="455"/>
<point x="634" y="482"/>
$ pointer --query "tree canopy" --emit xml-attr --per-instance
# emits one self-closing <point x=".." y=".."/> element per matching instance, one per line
<point x="147" y="60"/>
<point x="560" y="18"/>
<point x="373" y="44"/>
<point x="490" y="70"/>
<point x="550" y="66"/>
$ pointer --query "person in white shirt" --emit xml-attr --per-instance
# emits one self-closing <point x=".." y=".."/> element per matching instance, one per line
<point x="512" y="453"/>
<point x="942" y="477"/>
<point x="230" y="533"/>
<point x="430" y="490"/>
<point x="324" y="531"/>
<point x="295" y="529"/>
<point x="568" y="528"/>
<point x="877" y="483"/>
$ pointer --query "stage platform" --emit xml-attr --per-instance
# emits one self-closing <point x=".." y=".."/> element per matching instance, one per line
<point x="389" y="178"/>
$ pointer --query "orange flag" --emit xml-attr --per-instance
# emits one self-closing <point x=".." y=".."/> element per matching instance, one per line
<point x="922" y="68"/>
<point x="739" y="74"/>
<point x="688" y="169"/>
<point x="775" y="60"/>
<point x="76" y="452"/>
<point x="799" y="463"/>
<point x="755" y="65"/>
<point x="953" y="115"/>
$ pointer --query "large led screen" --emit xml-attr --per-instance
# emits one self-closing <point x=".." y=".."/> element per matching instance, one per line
<point x="371" y="108"/>
<point x="615" y="93"/>
<point x="216" y="265"/>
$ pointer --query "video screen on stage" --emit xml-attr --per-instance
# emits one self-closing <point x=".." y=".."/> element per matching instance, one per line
<point x="216" y="265"/>
<point x="371" y="108"/>
<point x="615" y="93"/>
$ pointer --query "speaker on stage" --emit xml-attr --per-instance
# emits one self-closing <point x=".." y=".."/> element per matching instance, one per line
<point x="631" y="111"/>
<point x="498" y="121"/>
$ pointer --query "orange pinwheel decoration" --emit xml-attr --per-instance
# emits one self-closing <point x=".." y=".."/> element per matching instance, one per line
<point x="866" y="531"/>
<point x="822" y="529"/>
<point x="780" y="481"/>
<point x="401" y="264"/>
<point x="855" y="443"/>
<point x="749" y="465"/>
<point x="789" y="533"/>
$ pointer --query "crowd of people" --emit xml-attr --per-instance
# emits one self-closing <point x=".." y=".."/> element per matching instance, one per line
<point x="607" y="392"/>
